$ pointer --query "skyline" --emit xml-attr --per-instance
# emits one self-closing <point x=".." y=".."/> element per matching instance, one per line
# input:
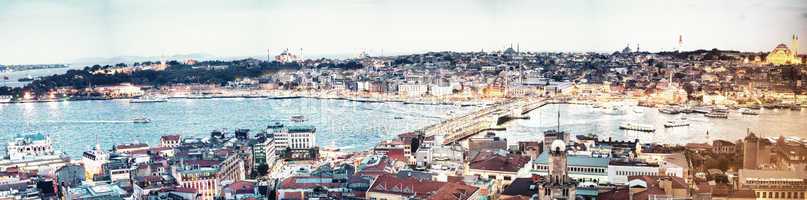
<point x="64" y="32"/>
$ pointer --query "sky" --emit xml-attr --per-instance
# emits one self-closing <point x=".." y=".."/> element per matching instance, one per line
<point x="69" y="30"/>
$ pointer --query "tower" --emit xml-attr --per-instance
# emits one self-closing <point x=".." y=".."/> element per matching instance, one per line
<point x="680" y="43"/>
<point x="750" y="150"/>
<point x="557" y="184"/>
<point x="795" y="44"/>
<point x="268" y="55"/>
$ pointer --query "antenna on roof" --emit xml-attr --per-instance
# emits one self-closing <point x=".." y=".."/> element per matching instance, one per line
<point x="558" y="129"/>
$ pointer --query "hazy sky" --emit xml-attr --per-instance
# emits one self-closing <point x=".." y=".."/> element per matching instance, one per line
<point x="63" y="31"/>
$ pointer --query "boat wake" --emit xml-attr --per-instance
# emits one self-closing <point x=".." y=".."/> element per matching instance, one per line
<point x="90" y="122"/>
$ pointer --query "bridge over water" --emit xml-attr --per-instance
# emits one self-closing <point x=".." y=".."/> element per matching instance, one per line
<point x="461" y="127"/>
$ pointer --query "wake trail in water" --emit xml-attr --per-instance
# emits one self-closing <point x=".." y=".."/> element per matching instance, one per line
<point x="88" y="122"/>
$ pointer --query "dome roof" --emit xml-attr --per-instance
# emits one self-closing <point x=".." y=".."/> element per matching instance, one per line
<point x="558" y="144"/>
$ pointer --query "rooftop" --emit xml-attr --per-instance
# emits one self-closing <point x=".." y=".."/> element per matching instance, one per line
<point x="575" y="160"/>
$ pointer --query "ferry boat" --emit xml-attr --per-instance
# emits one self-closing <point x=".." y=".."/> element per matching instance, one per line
<point x="297" y="118"/>
<point x="701" y="110"/>
<point x="141" y="120"/>
<point x="613" y="110"/>
<point x="723" y="115"/>
<point x="746" y="111"/>
<point x="670" y="110"/>
<point x="755" y="107"/>
<point x="147" y="99"/>
<point x="676" y="123"/>
<point x="795" y="107"/>
<point x="636" y="127"/>
<point x="5" y="98"/>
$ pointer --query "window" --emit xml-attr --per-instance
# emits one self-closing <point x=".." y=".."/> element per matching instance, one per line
<point x="506" y="178"/>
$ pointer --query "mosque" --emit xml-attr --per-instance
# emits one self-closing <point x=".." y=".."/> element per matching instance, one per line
<point x="782" y="55"/>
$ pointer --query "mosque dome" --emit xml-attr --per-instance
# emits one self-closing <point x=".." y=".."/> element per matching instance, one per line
<point x="781" y="49"/>
<point x="558" y="145"/>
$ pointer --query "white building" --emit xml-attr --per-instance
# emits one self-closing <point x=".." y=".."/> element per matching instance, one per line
<point x="436" y="90"/>
<point x="293" y="137"/>
<point x="619" y="171"/>
<point x="93" y="162"/>
<point x="412" y="89"/>
<point x="29" y="147"/>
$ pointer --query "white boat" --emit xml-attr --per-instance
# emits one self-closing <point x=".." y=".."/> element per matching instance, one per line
<point x="613" y="110"/>
<point x="5" y="98"/>
<point x="746" y="111"/>
<point x="676" y="123"/>
<point x="636" y="127"/>
<point x="297" y="118"/>
<point x="148" y="99"/>
<point x="141" y="120"/>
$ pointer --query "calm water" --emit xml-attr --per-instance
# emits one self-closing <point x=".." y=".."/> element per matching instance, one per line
<point x="350" y="125"/>
<point x="74" y="126"/>
<point x="583" y="119"/>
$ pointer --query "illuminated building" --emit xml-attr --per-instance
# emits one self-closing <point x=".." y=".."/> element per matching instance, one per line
<point x="782" y="55"/>
<point x="93" y="161"/>
<point x="29" y="146"/>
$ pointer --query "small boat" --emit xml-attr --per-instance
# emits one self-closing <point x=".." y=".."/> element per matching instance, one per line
<point x="297" y="118"/>
<point x="636" y="127"/>
<point x="147" y="99"/>
<point x="670" y="110"/>
<point x="746" y="111"/>
<point x="676" y="123"/>
<point x="141" y="120"/>
<point x="795" y="107"/>
<point x="723" y="115"/>
<point x="613" y="110"/>
<point x="6" y="98"/>
<point x="398" y="117"/>
<point x="701" y="110"/>
<point x="755" y="107"/>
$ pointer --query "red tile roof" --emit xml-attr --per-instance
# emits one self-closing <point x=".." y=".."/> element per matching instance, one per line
<point x="456" y="191"/>
<point x="389" y="184"/>
<point x="496" y="162"/>
<point x="302" y="182"/>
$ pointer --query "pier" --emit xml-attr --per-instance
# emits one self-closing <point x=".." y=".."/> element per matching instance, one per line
<point x="458" y="128"/>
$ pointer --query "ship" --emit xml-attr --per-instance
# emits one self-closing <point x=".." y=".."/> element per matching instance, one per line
<point x="297" y="118"/>
<point x="746" y="111"/>
<point x="147" y="99"/>
<point x="613" y="110"/>
<point x="670" y="110"/>
<point x="636" y="127"/>
<point x="701" y="110"/>
<point x="676" y="123"/>
<point x="6" y="98"/>
<point x="723" y="115"/>
<point x="141" y="120"/>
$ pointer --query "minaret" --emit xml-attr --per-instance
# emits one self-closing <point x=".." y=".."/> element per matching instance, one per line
<point x="637" y="48"/>
<point x="680" y="43"/>
<point x="795" y="44"/>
